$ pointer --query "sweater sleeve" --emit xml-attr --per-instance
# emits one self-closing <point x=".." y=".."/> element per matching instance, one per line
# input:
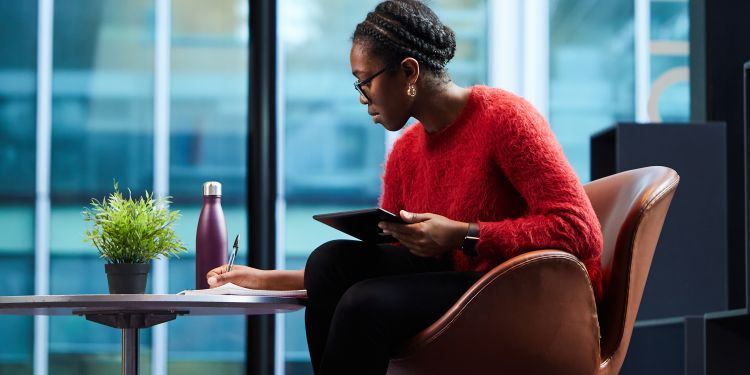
<point x="559" y="214"/>
<point x="390" y="198"/>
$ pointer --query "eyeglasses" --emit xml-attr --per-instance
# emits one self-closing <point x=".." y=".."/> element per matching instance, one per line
<point x="358" y="84"/>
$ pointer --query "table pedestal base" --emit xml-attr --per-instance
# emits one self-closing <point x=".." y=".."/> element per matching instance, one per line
<point x="129" y="322"/>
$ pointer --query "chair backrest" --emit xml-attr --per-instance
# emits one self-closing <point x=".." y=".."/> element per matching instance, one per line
<point x="631" y="207"/>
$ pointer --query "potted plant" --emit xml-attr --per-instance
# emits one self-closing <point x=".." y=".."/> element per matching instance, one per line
<point x="129" y="233"/>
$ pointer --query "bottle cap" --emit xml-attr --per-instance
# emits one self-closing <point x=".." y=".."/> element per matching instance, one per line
<point x="212" y="188"/>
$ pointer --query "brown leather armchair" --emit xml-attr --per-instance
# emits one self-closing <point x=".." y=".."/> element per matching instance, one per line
<point x="536" y="313"/>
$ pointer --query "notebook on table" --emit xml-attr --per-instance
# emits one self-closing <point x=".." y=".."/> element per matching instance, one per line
<point x="236" y="290"/>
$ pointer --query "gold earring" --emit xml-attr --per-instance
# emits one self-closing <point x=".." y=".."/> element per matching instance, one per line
<point x="411" y="90"/>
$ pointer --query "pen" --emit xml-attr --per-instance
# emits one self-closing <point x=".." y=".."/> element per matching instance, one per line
<point x="236" y="247"/>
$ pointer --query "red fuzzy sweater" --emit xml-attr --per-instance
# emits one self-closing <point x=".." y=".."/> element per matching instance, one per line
<point x="500" y="165"/>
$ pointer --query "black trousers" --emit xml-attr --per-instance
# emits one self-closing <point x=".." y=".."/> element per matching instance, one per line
<point x="364" y="300"/>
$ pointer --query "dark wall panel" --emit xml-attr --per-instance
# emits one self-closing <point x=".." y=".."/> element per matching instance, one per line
<point x="727" y="345"/>
<point x="656" y="349"/>
<point x="718" y="48"/>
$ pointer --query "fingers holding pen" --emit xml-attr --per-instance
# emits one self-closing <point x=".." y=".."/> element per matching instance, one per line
<point x="217" y="271"/>
<point x="219" y="275"/>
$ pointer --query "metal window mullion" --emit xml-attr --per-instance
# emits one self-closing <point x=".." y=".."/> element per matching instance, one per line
<point x="279" y="353"/>
<point x="42" y="190"/>
<point x="162" y="36"/>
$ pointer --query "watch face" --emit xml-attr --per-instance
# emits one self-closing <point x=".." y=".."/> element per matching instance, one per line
<point x="469" y="245"/>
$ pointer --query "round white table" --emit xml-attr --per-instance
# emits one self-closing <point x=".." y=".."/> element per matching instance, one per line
<point x="131" y="312"/>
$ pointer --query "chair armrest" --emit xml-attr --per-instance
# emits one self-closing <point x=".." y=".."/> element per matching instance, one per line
<point x="534" y="312"/>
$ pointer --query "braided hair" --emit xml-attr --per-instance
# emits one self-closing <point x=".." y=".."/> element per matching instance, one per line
<point x="398" y="29"/>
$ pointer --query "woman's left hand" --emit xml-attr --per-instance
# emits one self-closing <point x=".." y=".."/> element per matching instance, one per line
<point x="426" y="234"/>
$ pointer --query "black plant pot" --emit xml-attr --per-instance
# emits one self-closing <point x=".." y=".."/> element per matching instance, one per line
<point x="127" y="278"/>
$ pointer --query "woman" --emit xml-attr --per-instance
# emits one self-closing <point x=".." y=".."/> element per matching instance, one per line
<point x="479" y="179"/>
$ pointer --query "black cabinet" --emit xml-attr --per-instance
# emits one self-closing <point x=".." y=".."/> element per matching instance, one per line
<point x="689" y="271"/>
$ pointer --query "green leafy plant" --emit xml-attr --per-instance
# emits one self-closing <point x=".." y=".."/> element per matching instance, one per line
<point x="132" y="230"/>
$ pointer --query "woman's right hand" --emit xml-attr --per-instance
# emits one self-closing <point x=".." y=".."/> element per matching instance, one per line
<point x="243" y="276"/>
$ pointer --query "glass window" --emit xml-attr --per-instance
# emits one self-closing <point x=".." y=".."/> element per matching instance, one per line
<point x="208" y="142"/>
<point x="592" y="73"/>
<point x="18" y="34"/>
<point x="102" y="130"/>
<point x="670" y="86"/>
<point x="333" y="154"/>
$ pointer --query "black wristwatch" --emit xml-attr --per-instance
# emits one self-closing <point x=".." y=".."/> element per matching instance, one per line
<point x="469" y="245"/>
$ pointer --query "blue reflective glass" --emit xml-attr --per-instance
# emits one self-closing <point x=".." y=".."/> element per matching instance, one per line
<point x="102" y="130"/>
<point x="103" y="94"/>
<point x="670" y="89"/>
<point x="208" y="142"/>
<point x="18" y="34"/>
<point x="592" y="73"/>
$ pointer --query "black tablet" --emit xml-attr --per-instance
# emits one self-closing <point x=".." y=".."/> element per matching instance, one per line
<point x="361" y="224"/>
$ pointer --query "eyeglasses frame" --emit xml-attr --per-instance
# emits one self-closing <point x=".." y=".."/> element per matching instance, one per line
<point x="358" y="84"/>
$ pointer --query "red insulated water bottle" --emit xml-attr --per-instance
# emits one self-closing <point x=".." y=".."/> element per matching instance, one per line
<point x="211" y="236"/>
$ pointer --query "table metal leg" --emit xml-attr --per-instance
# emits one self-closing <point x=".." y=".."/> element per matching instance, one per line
<point x="130" y="322"/>
<point x="130" y="351"/>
